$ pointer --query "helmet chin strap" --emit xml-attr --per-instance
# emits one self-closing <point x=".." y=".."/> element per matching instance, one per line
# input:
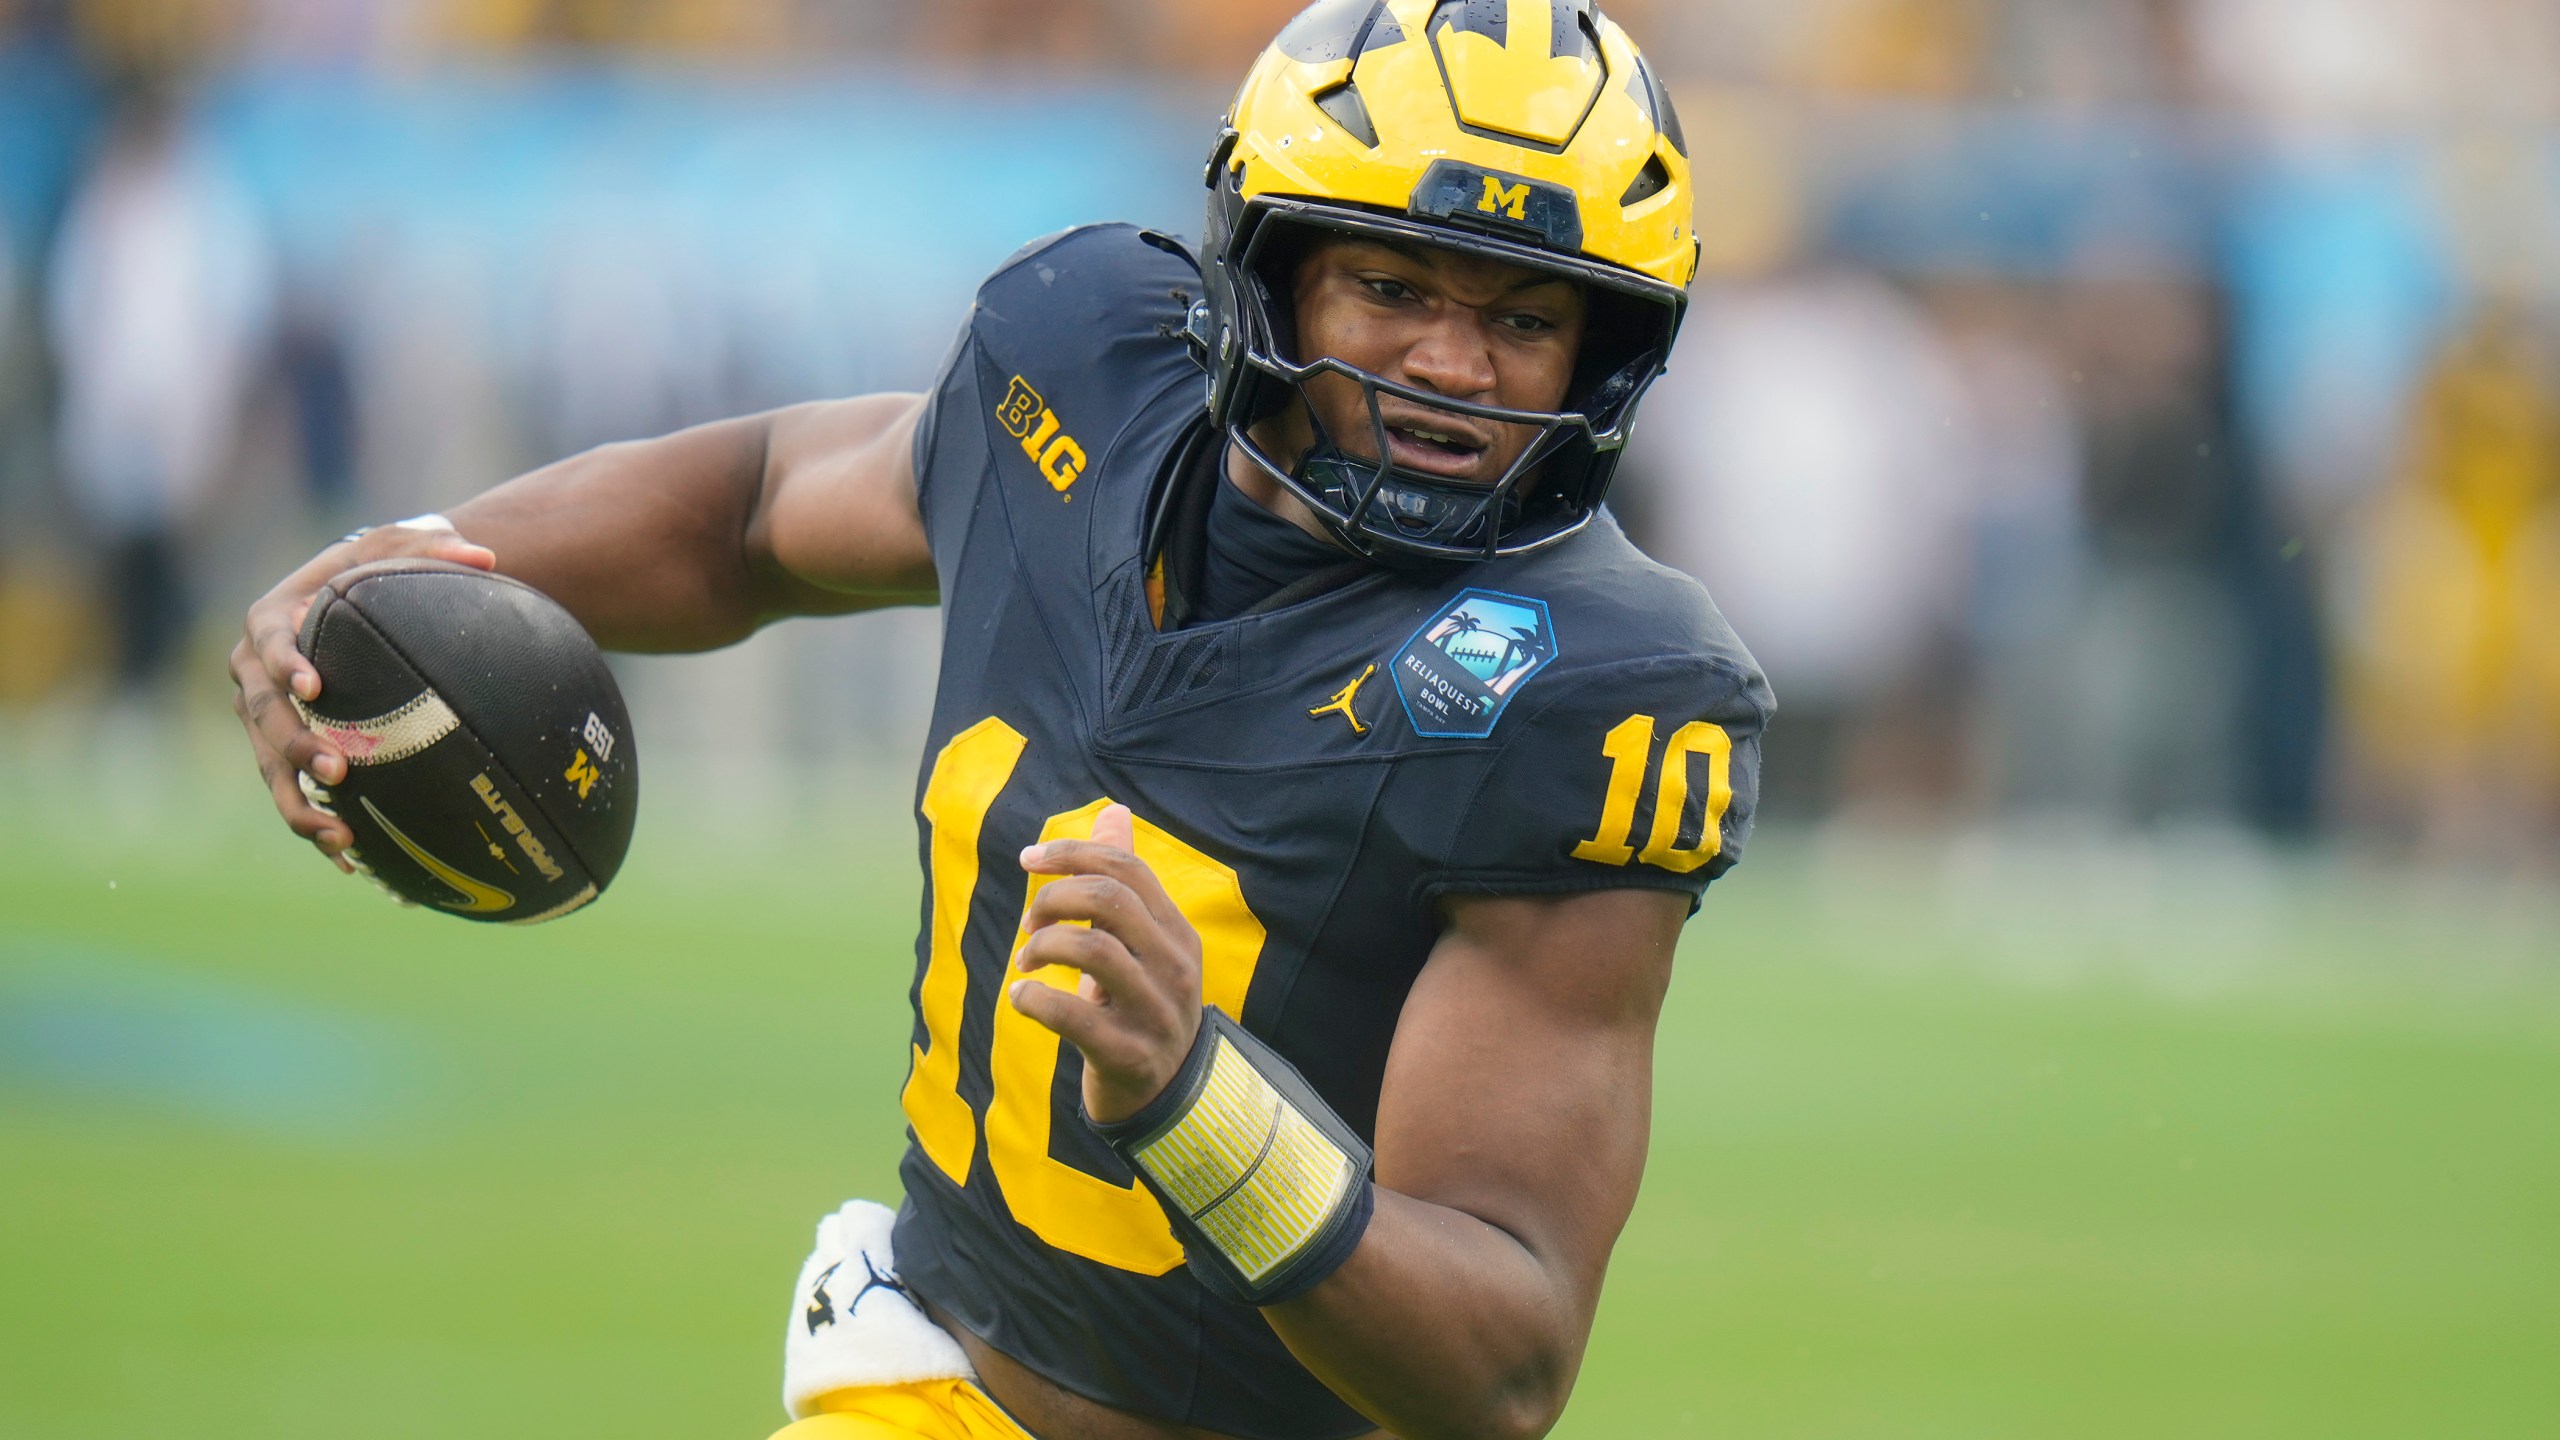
<point x="1377" y="497"/>
<point x="1397" y="517"/>
<point x="1385" y="508"/>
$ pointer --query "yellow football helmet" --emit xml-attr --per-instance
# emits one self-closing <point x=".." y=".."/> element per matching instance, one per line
<point x="1528" y="131"/>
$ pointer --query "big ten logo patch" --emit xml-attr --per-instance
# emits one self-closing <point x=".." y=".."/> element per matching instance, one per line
<point x="1028" y="418"/>
<point x="599" y="737"/>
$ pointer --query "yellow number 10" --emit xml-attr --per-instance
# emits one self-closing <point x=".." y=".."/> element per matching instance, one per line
<point x="1116" y="1225"/>
<point x="1628" y="748"/>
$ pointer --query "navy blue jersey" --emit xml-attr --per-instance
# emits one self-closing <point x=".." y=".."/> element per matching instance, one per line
<point x="1310" y="780"/>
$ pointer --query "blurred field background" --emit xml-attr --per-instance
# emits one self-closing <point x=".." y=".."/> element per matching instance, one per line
<point x="2016" y="1138"/>
<point x="2127" y="430"/>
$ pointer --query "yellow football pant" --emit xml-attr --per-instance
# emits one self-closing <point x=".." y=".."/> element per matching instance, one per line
<point x="926" y="1410"/>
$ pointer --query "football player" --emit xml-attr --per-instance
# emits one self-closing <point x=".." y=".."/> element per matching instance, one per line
<point x="1318" y="780"/>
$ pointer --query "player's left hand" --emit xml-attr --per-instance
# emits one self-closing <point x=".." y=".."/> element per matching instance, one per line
<point x="1136" y="1011"/>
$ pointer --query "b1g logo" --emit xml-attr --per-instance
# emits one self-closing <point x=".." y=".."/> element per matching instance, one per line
<point x="1028" y="418"/>
<point x="1458" y="673"/>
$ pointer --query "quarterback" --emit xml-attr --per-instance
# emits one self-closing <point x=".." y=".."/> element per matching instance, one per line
<point x="1318" y="779"/>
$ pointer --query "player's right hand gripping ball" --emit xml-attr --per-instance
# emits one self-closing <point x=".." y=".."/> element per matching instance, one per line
<point x="490" y="771"/>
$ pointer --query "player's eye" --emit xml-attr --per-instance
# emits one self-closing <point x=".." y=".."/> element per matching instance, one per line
<point x="1525" y="324"/>
<point x="1385" y="288"/>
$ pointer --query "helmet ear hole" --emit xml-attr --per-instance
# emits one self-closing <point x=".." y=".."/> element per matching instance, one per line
<point x="1652" y="180"/>
<point x="1342" y="104"/>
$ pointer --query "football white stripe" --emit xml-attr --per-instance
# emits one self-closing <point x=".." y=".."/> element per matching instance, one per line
<point x="385" y="738"/>
<point x="574" y="902"/>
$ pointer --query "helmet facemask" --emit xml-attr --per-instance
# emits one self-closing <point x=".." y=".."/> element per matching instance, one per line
<point x="1389" y="512"/>
<point x="1536" y="135"/>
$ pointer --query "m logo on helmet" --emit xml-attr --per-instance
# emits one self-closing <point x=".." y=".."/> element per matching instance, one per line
<point x="1501" y="199"/>
<point x="1534" y="210"/>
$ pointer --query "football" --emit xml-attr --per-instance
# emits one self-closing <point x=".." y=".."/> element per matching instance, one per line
<point x="490" y="764"/>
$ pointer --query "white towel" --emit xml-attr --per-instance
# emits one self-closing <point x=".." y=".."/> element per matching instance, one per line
<point x="853" y="1323"/>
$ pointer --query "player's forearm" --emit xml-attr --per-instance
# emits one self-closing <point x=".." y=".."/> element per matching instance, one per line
<point x="1518" y="1100"/>
<point x="692" y="540"/>
<point x="1441" y="1325"/>
<point x="641" y="541"/>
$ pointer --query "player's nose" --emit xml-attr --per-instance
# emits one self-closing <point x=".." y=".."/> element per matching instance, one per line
<point x="1453" y="356"/>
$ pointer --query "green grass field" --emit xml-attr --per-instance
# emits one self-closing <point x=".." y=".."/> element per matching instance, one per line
<point x="1971" y="1141"/>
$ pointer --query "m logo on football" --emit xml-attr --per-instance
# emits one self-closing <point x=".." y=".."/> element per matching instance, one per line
<point x="1028" y="418"/>
<point x="583" y="774"/>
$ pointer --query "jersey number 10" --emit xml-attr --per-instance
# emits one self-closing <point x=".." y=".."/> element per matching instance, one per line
<point x="1628" y="748"/>
<point x="1116" y="1225"/>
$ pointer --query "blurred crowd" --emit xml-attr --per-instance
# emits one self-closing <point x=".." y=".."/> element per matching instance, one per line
<point x="2142" y="411"/>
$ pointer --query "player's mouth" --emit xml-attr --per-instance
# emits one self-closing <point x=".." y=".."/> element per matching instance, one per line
<point x="1437" y="447"/>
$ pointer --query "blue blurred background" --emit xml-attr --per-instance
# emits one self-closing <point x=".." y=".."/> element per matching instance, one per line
<point x="2135" y="410"/>
<point x="2128" y="432"/>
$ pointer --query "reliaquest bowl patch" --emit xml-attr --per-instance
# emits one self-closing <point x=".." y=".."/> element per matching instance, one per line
<point x="1458" y="672"/>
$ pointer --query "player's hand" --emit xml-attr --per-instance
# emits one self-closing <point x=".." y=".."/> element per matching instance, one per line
<point x="268" y="669"/>
<point x="1136" y="1010"/>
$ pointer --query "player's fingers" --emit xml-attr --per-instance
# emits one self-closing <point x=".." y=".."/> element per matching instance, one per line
<point x="1097" y="900"/>
<point x="276" y="726"/>
<point x="1171" y="953"/>
<point x="273" y="626"/>
<point x="1109" y="1045"/>
<point x="1081" y="1022"/>
<point x="1125" y="982"/>
<point x="449" y="546"/>
<point x="275" y="621"/>
<point x="299" y="814"/>
<point x="310" y="752"/>
<point x="1116" y="828"/>
<point x="303" y="817"/>
<point x="282" y="772"/>
<point x="1115" y="831"/>
<point x="1091" y="857"/>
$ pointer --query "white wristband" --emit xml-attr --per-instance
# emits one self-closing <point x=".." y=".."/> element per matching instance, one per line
<point x="429" y="521"/>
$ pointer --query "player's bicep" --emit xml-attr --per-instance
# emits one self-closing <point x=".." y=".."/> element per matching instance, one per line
<point x="1519" y="1088"/>
<point x="836" y="527"/>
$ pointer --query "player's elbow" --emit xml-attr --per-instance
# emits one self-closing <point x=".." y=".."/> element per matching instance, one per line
<point x="1515" y="1416"/>
<point x="1526" y="1417"/>
<point x="1522" y="1406"/>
